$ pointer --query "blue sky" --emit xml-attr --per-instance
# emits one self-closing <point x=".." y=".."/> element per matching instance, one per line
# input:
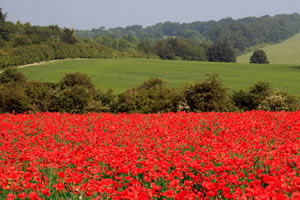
<point x="87" y="14"/>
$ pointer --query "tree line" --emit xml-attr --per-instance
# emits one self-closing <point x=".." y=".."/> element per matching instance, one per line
<point x="76" y="93"/>
<point x="240" y="34"/>
<point x="25" y="44"/>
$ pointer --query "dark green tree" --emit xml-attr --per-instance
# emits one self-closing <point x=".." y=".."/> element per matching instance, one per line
<point x="146" y="45"/>
<point x="260" y="57"/>
<point x="69" y="36"/>
<point x="173" y="48"/>
<point x="221" y="52"/>
<point x="2" y="16"/>
<point x="3" y="26"/>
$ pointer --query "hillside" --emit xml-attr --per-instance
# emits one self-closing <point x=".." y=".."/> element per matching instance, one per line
<point x="121" y="74"/>
<point x="240" y="33"/>
<point x="22" y="44"/>
<point x="286" y="52"/>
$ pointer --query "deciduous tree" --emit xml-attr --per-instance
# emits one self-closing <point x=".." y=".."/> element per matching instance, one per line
<point x="260" y="57"/>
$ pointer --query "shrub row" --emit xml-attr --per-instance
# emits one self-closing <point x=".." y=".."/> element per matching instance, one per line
<point x="75" y="93"/>
<point x="57" y="50"/>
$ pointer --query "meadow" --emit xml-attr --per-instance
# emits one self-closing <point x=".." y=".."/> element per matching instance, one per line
<point x="286" y="52"/>
<point x="121" y="74"/>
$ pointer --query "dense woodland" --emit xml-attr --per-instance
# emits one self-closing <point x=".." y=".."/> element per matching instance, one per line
<point x="218" y="41"/>
<point x="240" y="34"/>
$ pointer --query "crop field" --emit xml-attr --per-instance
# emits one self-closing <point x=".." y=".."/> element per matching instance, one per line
<point x="157" y="156"/>
<point x="286" y="52"/>
<point x="121" y="74"/>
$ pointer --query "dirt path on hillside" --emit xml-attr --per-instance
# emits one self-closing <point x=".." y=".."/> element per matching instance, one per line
<point x="45" y="62"/>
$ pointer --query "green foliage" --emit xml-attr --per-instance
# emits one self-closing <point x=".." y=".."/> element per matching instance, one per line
<point x="75" y="93"/>
<point x="25" y="44"/>
<point x="242" y="99"/>
<point x="50" y="51"/>
<point x="76" y="79"/>
<point x="251" y="99"/>
<point x="18" y="95"/>
<point x="221" y="52"/>
<point x="21" y="40"/>
<point x="12" y="76"/>
<point x="3" y="26"/>
<point x="22" y="44"/>
<point x="173" y="48"/>
<point x="240" y="34"/>
<point x="146" y="45"/>
<point x="71" y="99"/>
<point x="13" y="99"/>
<point x="258" y="93"/>
<point x="207" y="96"/>
<point x="262" y="97"/>
<point x="150" y="97"/>
<point x="104" y="102"/>
<point x="259" y="56"/>
<point x="69" y="36"/>
<point x="2" y="16"/>
<point x="40" y="95"/>
<point x="280" y="101"/>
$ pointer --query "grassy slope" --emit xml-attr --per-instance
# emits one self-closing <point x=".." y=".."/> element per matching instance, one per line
<point x="286" y="52"/>
<point x="120" y="74"/>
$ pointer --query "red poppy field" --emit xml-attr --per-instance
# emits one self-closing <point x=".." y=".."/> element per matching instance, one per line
<point x="251" y="155"/>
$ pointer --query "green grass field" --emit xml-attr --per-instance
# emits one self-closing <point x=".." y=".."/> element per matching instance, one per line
<point x="121" y="74"/>
<point x="286" y="52"/>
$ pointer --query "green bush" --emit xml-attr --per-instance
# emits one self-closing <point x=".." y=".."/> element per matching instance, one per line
<point x="12" y="75"/>
<point x="260" y="57"/>
<point x="39" y="95"/>
<point x="71" y="100"/>
<point x="75" y="93"/>
<point x="104" y="102"/>
<point x="150" y="97"/>
<point x="76" y="79"/>
<point x="242" y="100"/>
<point x="262" y="97"/>
<point x="258" y="93"/>
<point x="13" y="99"/>
<point x="207" y="96"/>
<point x="280" y="101"/>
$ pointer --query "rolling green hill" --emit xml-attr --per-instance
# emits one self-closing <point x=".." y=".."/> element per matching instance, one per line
<point x="121" y="74"/>
<point x="286" y="52"/>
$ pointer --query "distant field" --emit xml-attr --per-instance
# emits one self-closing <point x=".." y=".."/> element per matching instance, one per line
<point x="286" y="52"/>
<point x="121" y="74"/>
